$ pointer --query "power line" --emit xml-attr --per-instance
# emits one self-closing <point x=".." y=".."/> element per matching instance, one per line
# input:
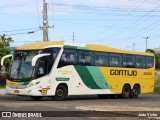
<point x="38" y="12"/>
<point x="30" y="32"/>
<point x="128" y="26"/>
<point x="145" y="21"/>
<point x="114" y="8"/>
<point x="124" y="16"/>
<point x="18" y="30"/>
<point x="25" y="41"/>
<point x="140" y="31"/>
<point x="38" y="15"/>
<point x="53" y="20"/>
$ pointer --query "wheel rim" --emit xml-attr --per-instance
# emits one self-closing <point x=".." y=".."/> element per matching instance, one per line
<point x="135" y="92"/>
<point x="60" y="92"/>
<point x="126" y="91"/>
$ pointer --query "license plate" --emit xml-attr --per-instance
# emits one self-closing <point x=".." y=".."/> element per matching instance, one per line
<point x="16" y="91"/>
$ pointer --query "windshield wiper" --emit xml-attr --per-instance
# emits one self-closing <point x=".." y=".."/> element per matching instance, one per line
<point x="18" y="71"/>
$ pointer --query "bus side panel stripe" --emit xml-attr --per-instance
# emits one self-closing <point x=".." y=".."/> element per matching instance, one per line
<point x="111" y="80"/>
<point x="86" y="77"/>
<point x="98" y="77"/>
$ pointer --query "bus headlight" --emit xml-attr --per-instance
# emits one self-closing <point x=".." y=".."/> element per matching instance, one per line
<point x="32" y="84"/>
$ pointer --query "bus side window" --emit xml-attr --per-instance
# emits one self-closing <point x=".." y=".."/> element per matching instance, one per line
<point x="115" y="60"/>
<point x="68" y="58"/>
<point x="128" y="61"/>
<point x="84" y="57"/>
<point x="100" y="59"/>
<point x="149" y="62"/>
<point x="140" y="61"/>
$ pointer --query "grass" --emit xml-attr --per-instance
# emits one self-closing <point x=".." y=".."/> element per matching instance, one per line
<point x="2" y="86"/>
<point x="157" y="86"/>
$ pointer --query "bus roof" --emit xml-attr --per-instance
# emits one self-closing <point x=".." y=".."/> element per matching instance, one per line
<point x="42" y="45"/>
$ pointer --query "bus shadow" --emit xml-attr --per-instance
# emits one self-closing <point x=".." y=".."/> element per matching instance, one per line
<point x="69" y="98"/>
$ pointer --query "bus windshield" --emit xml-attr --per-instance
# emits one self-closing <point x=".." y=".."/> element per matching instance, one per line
<point x="21" y="68"/>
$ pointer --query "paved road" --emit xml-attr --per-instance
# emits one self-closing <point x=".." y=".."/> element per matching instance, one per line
<point x="17" y="103"/>
<point x="26" y="103"/>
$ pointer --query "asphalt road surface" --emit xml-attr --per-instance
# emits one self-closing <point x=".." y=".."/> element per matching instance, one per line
<point x="81" y="103"/>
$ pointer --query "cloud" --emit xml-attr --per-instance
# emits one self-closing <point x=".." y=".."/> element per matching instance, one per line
<point x="112" y="4"/>
<point x="13" y="2"/>
<point x="19" y="10"/>
<point x="18" y="7"/>
<point x="29" y="7"/>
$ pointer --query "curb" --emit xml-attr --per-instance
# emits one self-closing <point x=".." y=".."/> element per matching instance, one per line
<point x="114" y="108"/>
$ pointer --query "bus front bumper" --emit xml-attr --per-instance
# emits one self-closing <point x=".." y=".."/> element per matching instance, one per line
<point x="30" y="91"/>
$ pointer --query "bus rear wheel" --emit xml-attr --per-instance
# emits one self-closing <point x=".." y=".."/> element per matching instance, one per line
<point x="126" y="91"/>
<point x="61" y="93"/>
<point x="36" y="97"/>
<point x="135" y="91"/>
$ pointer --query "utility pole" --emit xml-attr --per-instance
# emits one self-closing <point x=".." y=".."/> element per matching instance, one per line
<point x="73" y="37"/>
<point x="134" y="46"/>
<point x="146" y="41"/>
<point x="62" y="38"/>
<point x="45" y="21"/>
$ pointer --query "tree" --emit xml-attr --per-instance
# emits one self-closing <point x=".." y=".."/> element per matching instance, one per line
<point x="150" y="51"/>
<point x="4" y="47"/>
<point x="4" y="50"/>
<point x="157" y="57"/>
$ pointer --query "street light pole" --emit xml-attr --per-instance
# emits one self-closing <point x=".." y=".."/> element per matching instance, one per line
<point x="146" y="41"/>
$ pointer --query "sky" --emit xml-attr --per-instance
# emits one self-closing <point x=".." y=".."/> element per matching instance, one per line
<point x="123" y="24"/>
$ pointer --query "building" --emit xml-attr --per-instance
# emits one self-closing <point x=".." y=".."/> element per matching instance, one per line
<point x="157" y="50"/>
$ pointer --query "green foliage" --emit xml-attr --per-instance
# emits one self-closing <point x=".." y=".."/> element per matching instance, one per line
<point x="157" y="87"/>
<point x="4" y="47"/>
<point x="4" y="50"/>
<point x="150" y="51"/>
<point x="157" y="57"/>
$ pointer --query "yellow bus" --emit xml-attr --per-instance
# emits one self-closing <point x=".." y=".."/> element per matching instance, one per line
<point x="59" y="69"/>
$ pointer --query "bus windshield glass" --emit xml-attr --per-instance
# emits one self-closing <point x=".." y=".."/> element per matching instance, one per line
<point x="21" y="66"/>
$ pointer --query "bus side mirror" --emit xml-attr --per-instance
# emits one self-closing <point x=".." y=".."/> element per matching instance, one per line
<point x="35" y="58"/>
<point x="3" y="58"/>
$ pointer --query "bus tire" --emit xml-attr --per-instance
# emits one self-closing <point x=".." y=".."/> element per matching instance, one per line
<point x="36" y="98"/>
<point x="135" y="91"/>
<point x="61" y="93"/>
<point x="126" y="91"/>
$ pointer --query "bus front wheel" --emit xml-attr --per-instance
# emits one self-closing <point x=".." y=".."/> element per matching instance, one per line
<point x="61" y="93"/>
<point x="126" y="91"/>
